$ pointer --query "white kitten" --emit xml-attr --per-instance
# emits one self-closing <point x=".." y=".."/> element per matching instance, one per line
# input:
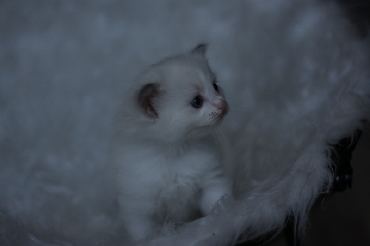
<point x="165" y="159"/>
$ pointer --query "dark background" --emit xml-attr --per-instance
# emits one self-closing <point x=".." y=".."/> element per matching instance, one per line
<point x="342" y="218"/>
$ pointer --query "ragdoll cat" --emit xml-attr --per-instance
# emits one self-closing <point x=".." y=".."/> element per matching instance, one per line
<point x="166" y="160"/>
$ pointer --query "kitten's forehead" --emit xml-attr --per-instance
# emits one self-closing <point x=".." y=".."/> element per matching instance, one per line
<point x="189" y="73"/>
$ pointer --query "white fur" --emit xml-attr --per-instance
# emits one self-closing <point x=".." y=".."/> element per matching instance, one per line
<point x="168" y="167"/>
<point x="294" y="73"/>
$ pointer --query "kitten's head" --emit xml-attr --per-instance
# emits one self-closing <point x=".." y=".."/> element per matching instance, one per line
<point x="180" y="95"/>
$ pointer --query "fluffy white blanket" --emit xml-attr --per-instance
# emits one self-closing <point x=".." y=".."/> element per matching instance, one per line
<point x="295" y="74"/>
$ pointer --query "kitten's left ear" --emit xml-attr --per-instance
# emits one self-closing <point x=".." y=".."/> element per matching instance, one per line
<point x="147" y="95"/>
<point x="200" y="49"/>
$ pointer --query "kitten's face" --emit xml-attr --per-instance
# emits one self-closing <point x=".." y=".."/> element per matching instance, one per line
<point x="193" y="98"/>
<point x="186" y="97"/>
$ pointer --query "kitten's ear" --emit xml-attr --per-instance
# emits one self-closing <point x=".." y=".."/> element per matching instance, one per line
<point x="200" y="49"/>
<point x="147" y="95"/>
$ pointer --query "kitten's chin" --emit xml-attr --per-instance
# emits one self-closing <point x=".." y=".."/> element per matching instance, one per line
<point x="216" y="121"/>
<point x="205" y="130"/>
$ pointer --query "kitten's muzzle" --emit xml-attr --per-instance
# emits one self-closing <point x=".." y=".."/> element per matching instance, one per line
<point x="222" y="104"/>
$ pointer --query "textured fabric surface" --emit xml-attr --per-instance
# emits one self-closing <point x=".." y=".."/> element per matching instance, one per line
<point x="294" y="72"/>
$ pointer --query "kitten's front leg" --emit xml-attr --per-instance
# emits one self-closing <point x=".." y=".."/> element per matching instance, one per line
<point x="135" y="214"/>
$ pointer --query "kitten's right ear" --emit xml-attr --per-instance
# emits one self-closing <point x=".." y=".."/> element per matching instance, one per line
<point x="146" y="98"/>
<point x="200" y="49"/>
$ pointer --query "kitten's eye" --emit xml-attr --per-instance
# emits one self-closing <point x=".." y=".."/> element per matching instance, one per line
<point x="216" y="87"/>
<point x="197" y="102"/>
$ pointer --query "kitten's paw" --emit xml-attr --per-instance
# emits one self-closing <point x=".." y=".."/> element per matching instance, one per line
<point x="212" y="195"/>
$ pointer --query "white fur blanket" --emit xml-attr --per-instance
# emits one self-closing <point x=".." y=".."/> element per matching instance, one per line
<point x="295" y="75"/>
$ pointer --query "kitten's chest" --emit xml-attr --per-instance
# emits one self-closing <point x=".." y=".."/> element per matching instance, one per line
<point x="178" y="198"/>
<point x="181" y="180"/>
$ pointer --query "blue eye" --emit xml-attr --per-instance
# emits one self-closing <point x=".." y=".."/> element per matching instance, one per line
<point x="197" y="102"/>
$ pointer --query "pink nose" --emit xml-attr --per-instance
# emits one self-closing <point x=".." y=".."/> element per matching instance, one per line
<point x="222" y="104"/>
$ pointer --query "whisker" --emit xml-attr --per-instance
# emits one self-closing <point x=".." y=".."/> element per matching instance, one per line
<point x="218" y="136"/>
<point x="221" y="134"/>
<point x="239" y="110"/>
<point x="213" y="134"/>
<point x="237" y="115"/>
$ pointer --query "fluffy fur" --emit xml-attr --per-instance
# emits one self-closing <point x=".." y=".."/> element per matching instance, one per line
<point x="165" y="160"/>
<point x="294" y="72"/>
